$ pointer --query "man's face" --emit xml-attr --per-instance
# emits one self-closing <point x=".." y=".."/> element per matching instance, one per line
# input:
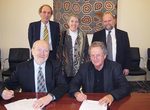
<point x="97" y="57"/>
<point x="108" y="21"/>
<point x="40" y="52"/>
<point x="73" y="23"/>
<point x="45" y="14"/>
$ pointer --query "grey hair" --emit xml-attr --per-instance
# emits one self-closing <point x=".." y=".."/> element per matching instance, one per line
<point x="98" y="44"/>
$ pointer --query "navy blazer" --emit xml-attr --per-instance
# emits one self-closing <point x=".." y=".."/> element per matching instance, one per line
<point x="23" y="77"/>
<point x="115" y="82"/>
<point x="123" y="46"/>
<point x="34" y="34"/>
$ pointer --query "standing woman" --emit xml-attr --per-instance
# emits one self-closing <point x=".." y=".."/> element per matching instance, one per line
<point x="73" y="48"/>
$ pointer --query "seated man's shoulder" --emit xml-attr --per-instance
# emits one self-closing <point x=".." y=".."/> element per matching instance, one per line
<point x="53" y="62"/>
<point x="24" y="64"/>
<point x="112" y="63"/>
<point x="86" y="65"/>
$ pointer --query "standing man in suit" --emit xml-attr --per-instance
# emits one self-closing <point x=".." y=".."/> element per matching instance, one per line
<point x="120" y="43"/>
<point x="99" y="75"/>
<point x="38" y="75"/>
<point x="36" y="30"/>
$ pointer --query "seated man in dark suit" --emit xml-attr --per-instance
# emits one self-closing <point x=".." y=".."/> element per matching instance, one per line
<point x="100" y="75"/>
<point x="38" y="75"/>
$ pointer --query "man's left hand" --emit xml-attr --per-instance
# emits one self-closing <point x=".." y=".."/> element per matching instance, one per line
<point x="42" y="102"/>
<point x="125" y="71"/>
<point x="106" y="100"/>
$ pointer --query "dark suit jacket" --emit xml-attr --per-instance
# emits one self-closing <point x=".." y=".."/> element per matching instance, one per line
<point x="24" y="78"/>
<point x="123" y="46"/>
<point x="1" y="88"/>
<point x="115" y="82"/>
<point x="34" y="34"/>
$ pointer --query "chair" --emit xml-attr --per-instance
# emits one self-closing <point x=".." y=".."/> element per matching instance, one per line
<point x="16" y="56"/>
<point x="148" y="59"/>
<point x="135" y="69"/>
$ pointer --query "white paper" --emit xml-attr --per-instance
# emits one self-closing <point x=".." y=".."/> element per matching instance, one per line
<point x="92" y="105"/>
<point x="24" y="104"/>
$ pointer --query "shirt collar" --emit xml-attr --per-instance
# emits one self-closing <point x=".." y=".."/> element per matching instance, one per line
<point x="44" y="24"/>
<point x="36" y="65"/>
<point x="112" y="31"/>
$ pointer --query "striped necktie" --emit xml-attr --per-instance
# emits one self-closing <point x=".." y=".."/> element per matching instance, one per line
<point x="45" y="35"/>
<point x="109" y="46"/>
<point x="41" y="84"/>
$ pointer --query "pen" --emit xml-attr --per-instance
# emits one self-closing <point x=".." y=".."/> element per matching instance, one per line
<point x="85" y="97"/>
<point x="81" y="90"/>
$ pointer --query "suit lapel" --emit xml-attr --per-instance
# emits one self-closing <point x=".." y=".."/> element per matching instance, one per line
<point x="91" y="78"/>
<point x="48" y="75"/>
<point x="118" y="41"/>
<point x="106" y="76"/>
<point x="52" y="30"/>
<point x="31" y="78"/>
<point x="38" y="30"/>
<point x="103" y="36"/>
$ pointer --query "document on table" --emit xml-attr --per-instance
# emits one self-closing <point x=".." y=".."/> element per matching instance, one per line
<point x="92" y="105"/>
<point x="24" y="104"/>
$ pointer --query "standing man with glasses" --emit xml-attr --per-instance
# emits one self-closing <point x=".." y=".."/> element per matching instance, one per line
<point x="116" y="40"/>
<point x="37" y="75"/>
<point x="45" y="30"/>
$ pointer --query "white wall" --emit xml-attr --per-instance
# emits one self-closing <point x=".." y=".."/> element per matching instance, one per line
<point x="134" y="17"/>
<point x="15" y="16"/>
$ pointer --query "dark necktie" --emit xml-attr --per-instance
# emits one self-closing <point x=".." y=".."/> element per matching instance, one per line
<point x="109" y="46"/>
<point x="41" y="85"/>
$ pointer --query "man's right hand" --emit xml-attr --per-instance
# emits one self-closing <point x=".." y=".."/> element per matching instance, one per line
<point x="80" y="96"/>
<point x="7" y="94"/>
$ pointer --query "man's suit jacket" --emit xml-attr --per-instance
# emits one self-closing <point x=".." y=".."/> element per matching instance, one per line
<point x="23" y="77"/>
<point x="123" y="46"/>
<point x="1" y="88"/>
<point x="115" y="82"/>
<point x="34" y="34"/>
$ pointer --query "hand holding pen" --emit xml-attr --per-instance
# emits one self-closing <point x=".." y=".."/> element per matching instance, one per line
<point x="80" y="96"/>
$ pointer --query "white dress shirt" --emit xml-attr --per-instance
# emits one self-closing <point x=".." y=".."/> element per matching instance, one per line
<point x="114" y="44"/>
<point x="73" y="38"/>
<point x="49" y="33"/>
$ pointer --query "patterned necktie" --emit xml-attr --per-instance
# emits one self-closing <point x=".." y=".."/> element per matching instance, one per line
<point x="41" y="85"/>
<point x="109" y="46"/>
<point x="45" y="35"/>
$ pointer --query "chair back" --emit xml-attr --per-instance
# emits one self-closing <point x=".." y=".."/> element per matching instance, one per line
<point x="148" y="59"/>
<point x="16" y="56"/>
<point x="135" y="58"/>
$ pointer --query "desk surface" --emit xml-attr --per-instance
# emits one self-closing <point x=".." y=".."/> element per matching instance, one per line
<point x="136" y="101"/>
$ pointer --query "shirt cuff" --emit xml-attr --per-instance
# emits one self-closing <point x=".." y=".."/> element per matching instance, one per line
<point x="53" y="97"/>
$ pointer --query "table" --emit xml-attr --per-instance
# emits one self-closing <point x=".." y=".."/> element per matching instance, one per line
<point x="136" y="101"/>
